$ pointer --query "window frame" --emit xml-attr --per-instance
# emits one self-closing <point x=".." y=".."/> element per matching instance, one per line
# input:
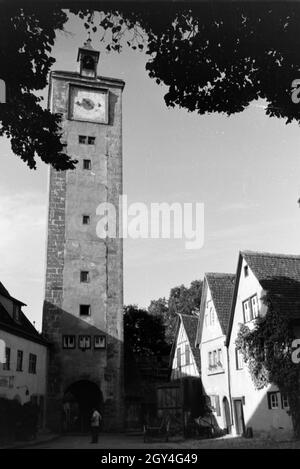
<point x="68" y="347"/>
<point x="6" y="365"/>
<point x="19" y="364"/>
<point x="98" y="347"/>
<point x="87" y="164"/>
<point x="81" y="306"/>
<point x="87" y="218"/>
<point x="32" y="362"/>
<point x="84" y="276"/>
<point x="85" y="337"/>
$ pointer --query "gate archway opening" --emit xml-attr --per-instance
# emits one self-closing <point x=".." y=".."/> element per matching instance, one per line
<point x="78" y="402"/>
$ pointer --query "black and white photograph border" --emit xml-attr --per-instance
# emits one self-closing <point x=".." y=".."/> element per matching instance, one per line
<point x="149" y="227"/>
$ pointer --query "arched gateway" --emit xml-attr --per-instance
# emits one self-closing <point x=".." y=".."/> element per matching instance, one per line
<point x="78" y="401"/>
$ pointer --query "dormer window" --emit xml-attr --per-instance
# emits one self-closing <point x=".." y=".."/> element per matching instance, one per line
<point x="16" y="312"/>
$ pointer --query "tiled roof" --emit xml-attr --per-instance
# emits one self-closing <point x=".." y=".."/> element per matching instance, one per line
<point x="3" y="290"/>
<point x="279" y="275"/>
<point x="23" y="327"/>
<point x="190" y="325"/>
<point x="221" y="287"/>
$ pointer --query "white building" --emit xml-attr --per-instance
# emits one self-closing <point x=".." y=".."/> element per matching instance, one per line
<point x="23" y="375"/>
<point x="264" y="410"/>
<point x="211" y="334"/>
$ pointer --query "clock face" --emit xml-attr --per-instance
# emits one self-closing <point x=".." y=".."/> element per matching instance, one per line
<point x="88" y="105"/>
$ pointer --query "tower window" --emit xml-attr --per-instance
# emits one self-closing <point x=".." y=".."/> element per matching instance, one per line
<point x="99" y="341"/>
<point x="84" y="276"/>
<point x="85" y="310"/>
<point x="91" y="140"/>
<point x="82" y="138"/>
<point x="68" y="341"/>
<point x="86" y="219"/>
<point x="84" y="341"/>
<point x="87" y="164"/>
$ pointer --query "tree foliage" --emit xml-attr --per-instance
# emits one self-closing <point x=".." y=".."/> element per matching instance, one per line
<point x="181" y="300"/>
<point x="27" y="35"/>
<point x="144" y="334"/>
<point x="212" y="57"/>
<point x="267" y="351"/>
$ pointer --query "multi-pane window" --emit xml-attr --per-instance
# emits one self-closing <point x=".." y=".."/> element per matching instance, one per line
<point x="273" y="400"/>
<point x="250" y="308"/>
<point x="84" y="341"/>
<point x="84" y="276"/>
<point x="87" y="140"/>
<point x="215" y="360"/>
<point x="215" y="404"/>
<point x="85" y="219"/>
<point x="32" y="363"/>
<point x="254" y="306"/>
<point x="85" y="310"/>
<point x="99" y="341"/>
<point x="284" y="401"/>
<point x="220" y="358"/>
<point x="239" y="359"/>
<point x="6" y="365"/>
<point x="82" y="139"/>
<point x="187" y="354"/>
<point x="68" y="341"/>
<point x="19" y="360"/>
<point x="178" y="357"/>
<point x="91" y="140"/>
<point x="87" y="164"/>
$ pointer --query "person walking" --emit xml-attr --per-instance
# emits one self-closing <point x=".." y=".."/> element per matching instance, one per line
<point x="95" y="424"/>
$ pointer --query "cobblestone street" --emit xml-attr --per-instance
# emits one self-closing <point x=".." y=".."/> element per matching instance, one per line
<point x="119" y="441"/>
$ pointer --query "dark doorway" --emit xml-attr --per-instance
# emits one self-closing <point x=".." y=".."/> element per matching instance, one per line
<point x="226" y="413"/>
<point x="79" y="400"/>
<point x="239" y="416"/>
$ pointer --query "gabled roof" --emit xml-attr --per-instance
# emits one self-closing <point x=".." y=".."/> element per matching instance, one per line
<point x="278" y="274"/>
<point x="23" y="327"/>
<point x="5" y="293"/>
<point x="189" y="322"/>
<point x="221" y="287"/>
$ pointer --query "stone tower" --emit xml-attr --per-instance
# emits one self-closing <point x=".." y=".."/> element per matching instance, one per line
<point x="83" y="307"/>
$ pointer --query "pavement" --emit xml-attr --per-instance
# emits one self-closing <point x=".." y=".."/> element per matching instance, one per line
<point x="124" y="441"/>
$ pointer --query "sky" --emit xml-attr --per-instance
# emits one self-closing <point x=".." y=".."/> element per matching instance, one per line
<point x="245" y="169"/>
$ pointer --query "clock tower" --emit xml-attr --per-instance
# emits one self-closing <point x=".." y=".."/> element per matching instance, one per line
<point x="83" y="307"/>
